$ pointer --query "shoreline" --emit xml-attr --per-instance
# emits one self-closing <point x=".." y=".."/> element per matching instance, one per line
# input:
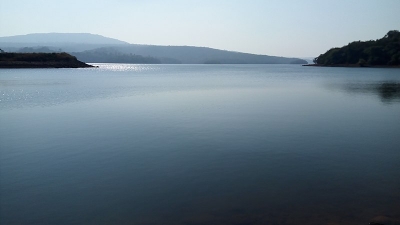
<point x="352" y="66"/>
<point x="32" y="65"/>
<point x="40" y="60"/>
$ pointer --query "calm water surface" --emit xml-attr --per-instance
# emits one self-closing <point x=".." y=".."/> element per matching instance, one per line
<point x="199" y="144"/>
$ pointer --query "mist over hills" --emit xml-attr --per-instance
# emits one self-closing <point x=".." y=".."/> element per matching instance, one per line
<point x="94" y="48"/>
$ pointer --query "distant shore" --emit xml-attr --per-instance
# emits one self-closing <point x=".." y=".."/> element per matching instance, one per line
<point x="353" y="65"/>
<point x="40" y="60"/>
<point x="28" y="65"/>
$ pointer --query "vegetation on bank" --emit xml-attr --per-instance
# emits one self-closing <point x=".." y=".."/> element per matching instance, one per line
<point x="380" y="52"/>
<point x="40" y="60"/>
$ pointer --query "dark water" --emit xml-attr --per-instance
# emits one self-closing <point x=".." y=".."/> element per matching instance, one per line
<point x="199" y="144"/>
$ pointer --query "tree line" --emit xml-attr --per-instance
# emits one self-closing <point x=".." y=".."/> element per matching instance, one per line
<point x="37" y="57"/>
<point x="380" y="52"/>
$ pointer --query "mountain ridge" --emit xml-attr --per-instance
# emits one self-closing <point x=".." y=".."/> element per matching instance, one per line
<point x="55" y="37"/>
<point x="83" y="45"/>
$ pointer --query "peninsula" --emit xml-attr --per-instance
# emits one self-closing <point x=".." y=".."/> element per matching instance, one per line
<point x="384" y="52"/>
<point x="40" y="60"/>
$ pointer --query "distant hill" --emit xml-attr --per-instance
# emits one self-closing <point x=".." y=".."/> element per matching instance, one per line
<point x="380" y="52"/>
<point x="178" y="55"/>
<point x="58" y="42"/>
<point x="61" y="38"/>
<point x="201" y="55"/>
<point x="96" y="48"/>
<point x="109" y="55"/>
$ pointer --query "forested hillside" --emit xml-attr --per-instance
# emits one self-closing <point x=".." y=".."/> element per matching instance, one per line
<point x="381" y="52"/>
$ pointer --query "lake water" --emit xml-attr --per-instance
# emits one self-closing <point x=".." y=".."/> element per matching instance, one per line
<point x="199" y="144"/>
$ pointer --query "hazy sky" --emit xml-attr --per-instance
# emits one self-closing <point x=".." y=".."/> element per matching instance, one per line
<point x="273" y="27"/>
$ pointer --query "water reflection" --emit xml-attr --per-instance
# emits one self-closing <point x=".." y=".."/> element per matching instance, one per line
<point x="388" y="91"/>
